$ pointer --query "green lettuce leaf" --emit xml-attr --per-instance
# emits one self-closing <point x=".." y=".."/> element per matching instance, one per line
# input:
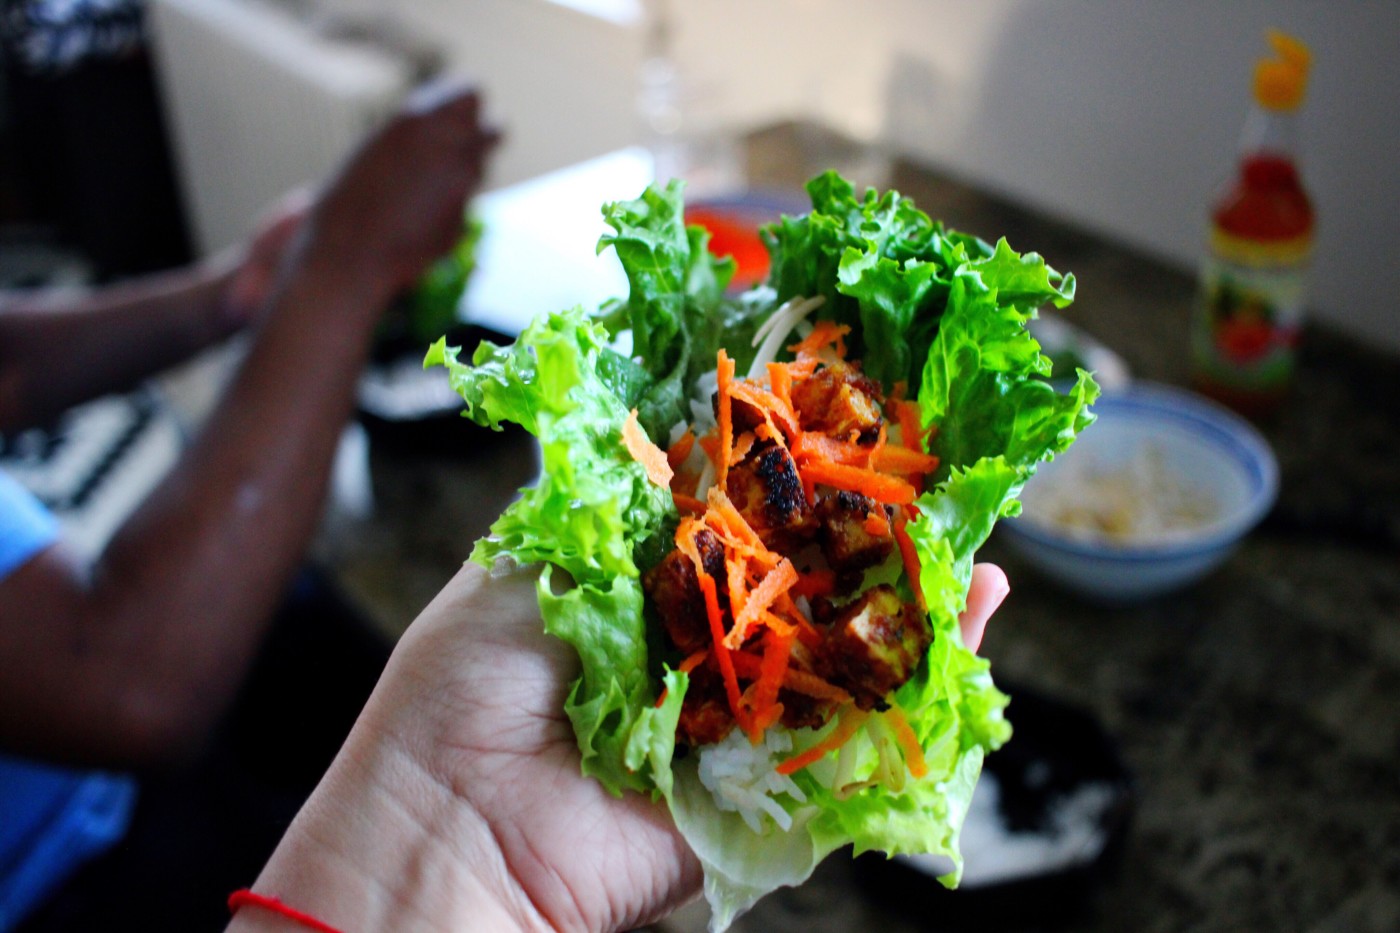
<point x="591" y="507"/>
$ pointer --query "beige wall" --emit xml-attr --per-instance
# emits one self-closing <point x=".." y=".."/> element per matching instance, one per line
<point x="1118" y="114"/>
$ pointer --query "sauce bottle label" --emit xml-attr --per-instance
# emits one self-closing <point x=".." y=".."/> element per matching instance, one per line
<point x="1250" y="311"/>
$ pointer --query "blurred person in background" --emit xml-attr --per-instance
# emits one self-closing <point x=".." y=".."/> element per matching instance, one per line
<point x="164" y="709"/>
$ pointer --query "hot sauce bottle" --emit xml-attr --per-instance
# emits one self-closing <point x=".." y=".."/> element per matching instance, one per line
<point x="1250" y="308"/>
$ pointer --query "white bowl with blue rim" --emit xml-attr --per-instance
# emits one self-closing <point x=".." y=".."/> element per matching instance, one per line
<point x="1152" y="497"/>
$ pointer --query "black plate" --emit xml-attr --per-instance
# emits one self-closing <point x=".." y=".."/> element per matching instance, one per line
<point x="1060" y="777"/>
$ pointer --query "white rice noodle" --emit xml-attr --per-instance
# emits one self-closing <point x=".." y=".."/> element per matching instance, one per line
<point x="775" y="331"/>
<point x="707" y="479"/>
<point x="743" y="777"/>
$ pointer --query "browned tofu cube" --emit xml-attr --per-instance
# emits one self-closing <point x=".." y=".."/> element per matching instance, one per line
<point x="767" y="490"/>
<point x="846" y="540"/>
<point x="705" y="715"/>
<point x="874" y="646"/>
<point x="841" y="401"/>
<point x="674" y="593"/>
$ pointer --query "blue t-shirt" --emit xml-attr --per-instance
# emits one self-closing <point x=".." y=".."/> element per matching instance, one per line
<point x="51" y="819"/>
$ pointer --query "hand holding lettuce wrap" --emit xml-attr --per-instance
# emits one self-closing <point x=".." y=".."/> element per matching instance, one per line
<point x="463" y="770"/>
<point x="756" y="528"/>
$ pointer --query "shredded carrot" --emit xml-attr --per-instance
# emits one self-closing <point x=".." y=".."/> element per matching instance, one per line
<point x="780" y="381"/>
<point x="814" y="583"/>
<point x="725" y="371"/>
<point x="710" y="445"/>
<point x="824" y="334"/>
<point x="738" y="586"/>
<point x="726" y="663"/>
<point x="908" y="741"/>
<point x="910" y="557"/>
<point x="893" y="459"/>
<point x="906" y="415"/>
<point x="770" y="677"/>
<point x="687" y="503"/>
<point x="726" y="515"/>
<point x="768" y="405"/>
<point x="679" y="452"/>
<point x="878" y="486"/>
<point x="851" y="720"/>
<point x="759" y="599"/>
<point x="694" y="661"/>
<point x="651" y="457"/>
<point x="806" y="683"/>
<point x="814" y="445"/>
<point x="742" y="445"/>
<point x="688" y="665"/>
<point x="877" y="524"/>
<point x="778" y="624"/>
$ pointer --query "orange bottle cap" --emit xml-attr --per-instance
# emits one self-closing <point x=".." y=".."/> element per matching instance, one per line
<point x="1279" y="82"/>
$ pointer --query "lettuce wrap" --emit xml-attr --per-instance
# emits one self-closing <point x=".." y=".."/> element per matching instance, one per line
<point x="931" y="314"/>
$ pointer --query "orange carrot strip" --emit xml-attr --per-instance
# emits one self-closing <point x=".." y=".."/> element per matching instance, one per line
<point x="768" y="404"/>
<point x="814" y="445"/>
<point x="678" y="452"/>
<point x="798" y="681"/>
<point x="906" y="415"/>
<point x="910" y="557"/>
<point x="806" y="632"/>
<point x="824" y="334"/>
<point x="876" y="524"/>
<point x="809" y="684"/>
<point x="710" y="445"/>
<point x="694" y="661"/>
<point x="908" y="741"/>
<point x="778" y="624"/>
<point x="738" y="588"/>
<point x="687" y="503"/>
<point x="815" y="583"/>
<point x="770" y="678"/>
<point x="725" y="371"/>
<point x="726" y="663"/>
<point x="742" y="445"/>
<point x="780" y="381"/>
<point x="878" y="486"/>
<point x="851" y="720"/>
<point x="894" y="459"/>
<point x="777" y="580"/>
<point x="724" y="512"/>
<point x="688" y="665"/>
<point x="651" y="457"/>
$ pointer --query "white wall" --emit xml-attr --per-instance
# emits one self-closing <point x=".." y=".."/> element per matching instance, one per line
<point x="1122" y="116"/>
<point x="560" y="82"/>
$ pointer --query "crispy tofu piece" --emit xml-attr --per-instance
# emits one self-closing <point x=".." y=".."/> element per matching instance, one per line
<point x="674" y="592"/>
<point x="874" y="646"/>
<point x="847" y="544"/>
<point x="705" y="716"/>
<point x="841" y="401"/>
<point x="767" y="490"/>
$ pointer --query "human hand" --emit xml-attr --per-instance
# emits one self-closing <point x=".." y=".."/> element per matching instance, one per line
<point x="398" y="203"/>
<point x="485" y="705"/>
<point x="250" y="285"/>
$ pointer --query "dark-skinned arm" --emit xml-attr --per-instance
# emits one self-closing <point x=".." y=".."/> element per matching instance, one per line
<point x="128" y="660"/>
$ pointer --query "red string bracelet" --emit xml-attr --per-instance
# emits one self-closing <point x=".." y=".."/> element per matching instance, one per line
<point x="246" y="896"/>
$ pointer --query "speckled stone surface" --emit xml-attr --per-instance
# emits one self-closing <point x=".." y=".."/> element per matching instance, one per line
<point x="1259" y="711"/>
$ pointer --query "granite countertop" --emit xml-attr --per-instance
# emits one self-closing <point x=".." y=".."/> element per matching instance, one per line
<point x="1256" y="710"/>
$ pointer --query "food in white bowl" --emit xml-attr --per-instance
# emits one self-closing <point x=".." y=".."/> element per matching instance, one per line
<point x="1155" y="495"/>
